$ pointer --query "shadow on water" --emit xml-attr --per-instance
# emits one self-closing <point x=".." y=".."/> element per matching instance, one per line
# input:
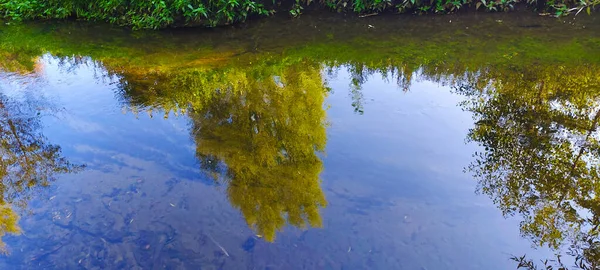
<point x="254" y="95"/>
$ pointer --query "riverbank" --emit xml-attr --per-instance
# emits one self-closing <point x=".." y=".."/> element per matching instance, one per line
<point x="178" y="13"/>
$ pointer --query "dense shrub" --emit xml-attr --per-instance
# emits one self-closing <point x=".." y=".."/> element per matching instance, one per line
<point x="162" y="13"/>
<point x="139" y="14"/>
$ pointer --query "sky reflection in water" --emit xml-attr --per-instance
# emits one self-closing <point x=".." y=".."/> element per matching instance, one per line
<point x="396" y="193"/>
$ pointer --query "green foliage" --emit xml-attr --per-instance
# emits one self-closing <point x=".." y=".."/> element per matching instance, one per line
<point x="296" y="9"/>
<point x="138" y="14"/>
<point x="563" y="8"/>
<point x="157" y="14"/>
<point x="560" y="8"/>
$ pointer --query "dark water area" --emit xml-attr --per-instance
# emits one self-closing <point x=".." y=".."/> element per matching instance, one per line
<point x="323" y="142"/>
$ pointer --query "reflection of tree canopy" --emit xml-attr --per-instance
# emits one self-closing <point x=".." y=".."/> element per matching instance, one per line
<point x="27" y="160"/>
<point x="257" y="130"/>
<point x="266" y="131"/>
<point x="541" y="152"/>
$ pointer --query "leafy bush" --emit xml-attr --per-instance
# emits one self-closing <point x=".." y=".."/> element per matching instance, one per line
<point x="138" y="14"/>
<point x="156" y="14"/>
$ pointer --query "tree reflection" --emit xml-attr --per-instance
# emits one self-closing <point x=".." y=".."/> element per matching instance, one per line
<point x="267" y="132"/>
<point x="258" y="131"/>
<point x="541" y="153"/>
<point x="28" y="161"/>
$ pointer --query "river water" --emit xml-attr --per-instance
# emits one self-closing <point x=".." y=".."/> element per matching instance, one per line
<point x="324" y="142"/>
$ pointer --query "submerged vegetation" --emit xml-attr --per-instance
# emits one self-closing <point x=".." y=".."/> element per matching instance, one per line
<point x="165" y="13"/>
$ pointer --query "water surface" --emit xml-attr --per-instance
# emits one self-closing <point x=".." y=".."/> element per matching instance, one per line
<point x="323" y="142"/>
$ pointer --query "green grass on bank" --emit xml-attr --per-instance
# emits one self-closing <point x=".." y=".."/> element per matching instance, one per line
<point x="166" y="13"/>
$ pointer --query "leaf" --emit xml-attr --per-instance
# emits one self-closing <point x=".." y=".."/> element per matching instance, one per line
<point x="588" y="10"/>
<point x="477" y="5"/>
